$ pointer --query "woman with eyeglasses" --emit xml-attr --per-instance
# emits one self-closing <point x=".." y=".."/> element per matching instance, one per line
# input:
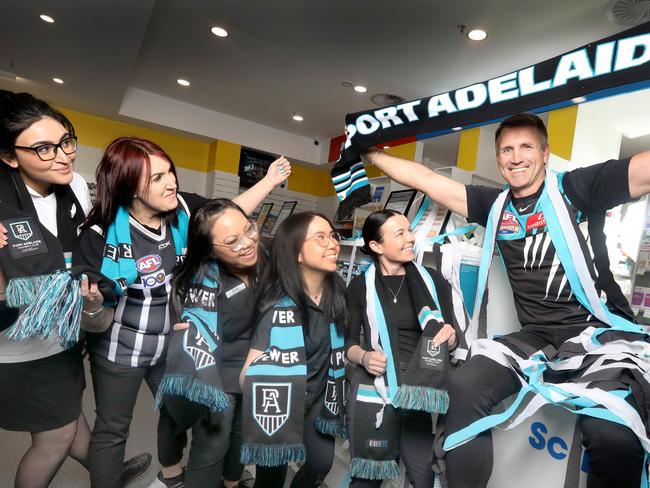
<point x="135" y="235"/>
<point x="224" y="247"/>
<point x="293" y="376"/>
<point x="399" y="334"/>
<point x="43" y="201"/>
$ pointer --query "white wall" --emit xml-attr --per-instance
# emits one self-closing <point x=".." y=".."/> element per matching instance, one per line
<point x="595" y="139"/>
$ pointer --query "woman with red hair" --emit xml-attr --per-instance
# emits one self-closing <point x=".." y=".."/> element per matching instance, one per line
<point x="135" y="235"/>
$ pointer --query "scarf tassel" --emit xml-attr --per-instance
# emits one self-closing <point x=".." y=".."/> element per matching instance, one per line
<point x="371" y="469"/>
<point x="194" y="390"/>
<point x="55" y="310"/>
<point x="23" y="291"/>
<point x="421" y="398"/>
<point x="272" y="455"/>
<point x="333" y="427"/>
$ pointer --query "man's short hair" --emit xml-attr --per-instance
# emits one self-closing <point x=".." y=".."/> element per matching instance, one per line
<point x="523" y="119"/>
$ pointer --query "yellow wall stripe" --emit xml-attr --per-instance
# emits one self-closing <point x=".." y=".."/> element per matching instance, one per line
<point x="561" y="130"/>
<point x="468" y="149"/>
<point x="310" y="180"/>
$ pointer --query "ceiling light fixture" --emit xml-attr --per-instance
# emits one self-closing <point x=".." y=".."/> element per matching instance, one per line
<point x="297" y="117"/>
<point x="579" y="99"/>
<point x="386" y="147"/>
<point x="47" y="18"/>
<point x="456" y="129"/>
<point x="219" y="31"/>
<point x="58" y="81"/>
<point x="360" y="89"/>
<point x="183" y="82"/>
<point x="477" y="35"/>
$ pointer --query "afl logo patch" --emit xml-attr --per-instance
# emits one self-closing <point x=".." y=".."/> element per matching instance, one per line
<point x="148" y="263"/>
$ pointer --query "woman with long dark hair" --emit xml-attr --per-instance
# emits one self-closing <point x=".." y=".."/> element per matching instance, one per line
<point x="226" y="258"/>
<point x="404" y="311"/>
<point x="135" y="235"/>
<point x="292" y="379"/>
<point x="43" y="203"/>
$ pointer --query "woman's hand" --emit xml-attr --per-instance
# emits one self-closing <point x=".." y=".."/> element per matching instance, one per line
<point x="374" y="362"/>
<point x="93" y="298"/>
<point x="446" y="334"/>
<point x="278" y="171"/>
<point x="3" y="236"/>
<point x="181" y="326"/>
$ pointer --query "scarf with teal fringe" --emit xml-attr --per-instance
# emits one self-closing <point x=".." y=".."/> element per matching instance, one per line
<point x="34" y="262"/>
<point x="192" y="370"/>
<point x="274" y="393"/>
<point x="374" y="436"/>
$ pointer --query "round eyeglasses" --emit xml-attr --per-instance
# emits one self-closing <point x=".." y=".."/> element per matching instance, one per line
<point x="47" y="152"/>
<point x="323" y="240"/>
<point x="237" y="243"/>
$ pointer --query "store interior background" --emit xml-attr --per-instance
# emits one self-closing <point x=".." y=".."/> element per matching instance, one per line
<point x="120" y="60"/>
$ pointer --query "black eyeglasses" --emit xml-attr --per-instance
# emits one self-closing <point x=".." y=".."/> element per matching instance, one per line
<point x="323" y="239"/>
<point x="47" y="152"/>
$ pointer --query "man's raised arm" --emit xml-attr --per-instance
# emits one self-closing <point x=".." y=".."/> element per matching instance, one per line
<point x="442" y="190"/>
<point x="639" y="174"/>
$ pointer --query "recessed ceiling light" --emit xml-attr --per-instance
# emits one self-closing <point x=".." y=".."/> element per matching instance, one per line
<point x="58" y="81"/>
<point x="477" y="34"/>
<point x="579" y="99"/>
<point x="456" y="129"/>
<point x="47" y="18"/>
<point x="219" y="31"/>
<point x="360" y="89"/>
<point x="183" y="82"/>
<point x="297" y="117"/>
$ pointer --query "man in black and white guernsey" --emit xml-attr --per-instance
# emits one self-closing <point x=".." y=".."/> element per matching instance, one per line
<point x="577" y="329"/>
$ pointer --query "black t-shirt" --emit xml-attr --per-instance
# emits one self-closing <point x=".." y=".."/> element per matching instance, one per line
<point x="317" y="348"/>
<point x="236" y="309"/>
<point x="406" y="321"/>
<point x="541" y="291"/>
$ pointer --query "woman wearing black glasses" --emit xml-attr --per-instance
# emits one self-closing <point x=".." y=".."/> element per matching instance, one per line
<point x="293" y="375"/>
<point x="135" y="235"/>
<point x="224" y="246"/>
<point x="41" y="382"/>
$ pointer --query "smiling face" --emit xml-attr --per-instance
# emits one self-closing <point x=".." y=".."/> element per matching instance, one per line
<point x="228" y="228"/>
<point x="315" y="257"/>
<point x="396" y="246"/>
<point x="160" y="195"/>
<point x="522" y="158"/>
<point x="37" y="174"/>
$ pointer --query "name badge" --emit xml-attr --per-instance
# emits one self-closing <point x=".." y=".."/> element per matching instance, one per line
<point x="24" y="237"/>
<point x="233" y="291"/>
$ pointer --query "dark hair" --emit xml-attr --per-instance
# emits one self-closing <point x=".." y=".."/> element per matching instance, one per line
<point x="18" y="112"/>
<point x="371" y="230"/>
<point x="523" y="119"/>
<point x="200" y="251"/>
<point x="118" y="176"/>
<point x="283" y="277"/>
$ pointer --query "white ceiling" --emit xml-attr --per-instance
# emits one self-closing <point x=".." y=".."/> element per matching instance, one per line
<point x="281" y="57"/>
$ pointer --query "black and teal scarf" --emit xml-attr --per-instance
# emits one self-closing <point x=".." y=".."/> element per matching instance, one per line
<point x="474" y="105"/>
<point x="34" y="262"/>
<point x="375" y="428"/>
<point x="192" y="370"/>
<point x="118" y="263"/>
<point x="274" y="393"/>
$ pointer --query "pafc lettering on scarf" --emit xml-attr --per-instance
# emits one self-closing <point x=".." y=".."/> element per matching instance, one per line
<point x="609" y="57"/>
<point x="283" y="357"/>
<point x="337" y="359"/>
<point x="116" y="252"/>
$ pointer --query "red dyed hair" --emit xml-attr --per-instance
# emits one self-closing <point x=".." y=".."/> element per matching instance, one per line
<point x="118" y="175"/>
